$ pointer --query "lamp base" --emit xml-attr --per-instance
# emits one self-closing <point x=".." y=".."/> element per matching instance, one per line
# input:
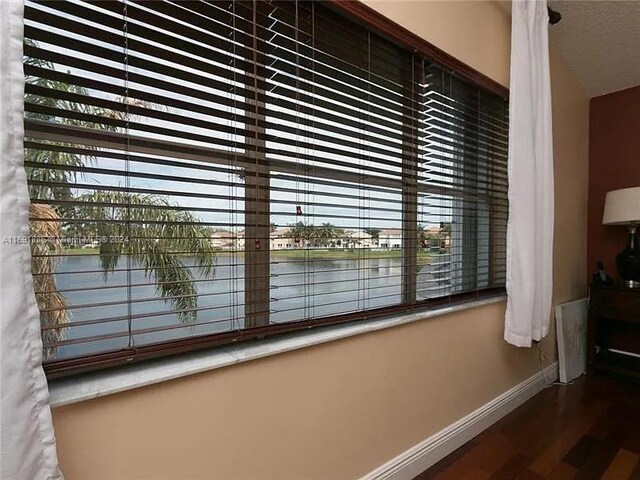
<point x="628" y="261"/>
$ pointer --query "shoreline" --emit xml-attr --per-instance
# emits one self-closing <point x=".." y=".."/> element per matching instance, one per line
<point x="334" y="254"/>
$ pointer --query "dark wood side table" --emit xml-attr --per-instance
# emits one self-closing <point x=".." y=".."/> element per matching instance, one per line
<point x="609" y="308"/>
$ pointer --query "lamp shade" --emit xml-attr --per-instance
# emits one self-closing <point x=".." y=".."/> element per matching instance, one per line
<point x="622" y="207"/>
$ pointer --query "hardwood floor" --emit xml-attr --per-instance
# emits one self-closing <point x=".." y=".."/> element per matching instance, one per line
<point x="588" y="430"/>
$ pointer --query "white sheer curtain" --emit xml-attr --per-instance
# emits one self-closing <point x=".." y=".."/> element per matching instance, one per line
<point x="531" y="202"/>
<point x="27" y="442"/>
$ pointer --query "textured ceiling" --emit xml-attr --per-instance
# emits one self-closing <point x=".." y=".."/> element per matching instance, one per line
<point x="600" y="41"/>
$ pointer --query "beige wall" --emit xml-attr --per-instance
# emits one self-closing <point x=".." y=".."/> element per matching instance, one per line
<point x="571" y="167"/>
<point x="339" y="410"/>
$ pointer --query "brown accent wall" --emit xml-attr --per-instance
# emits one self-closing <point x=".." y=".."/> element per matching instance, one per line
<point x="339" y="410"/>
<point x="614" y="162"/>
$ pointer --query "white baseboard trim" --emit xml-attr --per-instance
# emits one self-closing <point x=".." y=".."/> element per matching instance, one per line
<point x="433" y="449"/>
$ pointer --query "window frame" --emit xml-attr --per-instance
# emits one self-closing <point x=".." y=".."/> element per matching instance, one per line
<point x="257" y="299"/>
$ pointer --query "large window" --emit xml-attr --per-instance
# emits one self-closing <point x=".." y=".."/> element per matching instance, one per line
<point x="205" y="172"/>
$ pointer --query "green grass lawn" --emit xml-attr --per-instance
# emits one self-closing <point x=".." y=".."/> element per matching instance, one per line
<point x="80" y="251"/>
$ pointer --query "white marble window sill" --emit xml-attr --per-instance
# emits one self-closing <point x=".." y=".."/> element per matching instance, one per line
<point x="91" y="385"/>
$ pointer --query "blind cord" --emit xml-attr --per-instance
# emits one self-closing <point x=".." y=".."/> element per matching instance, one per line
<point x="125" y="14"/>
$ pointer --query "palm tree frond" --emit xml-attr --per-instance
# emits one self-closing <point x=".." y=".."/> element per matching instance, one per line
<point x="159" y="235"/>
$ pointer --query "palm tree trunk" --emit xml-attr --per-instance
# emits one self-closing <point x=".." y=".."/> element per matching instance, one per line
<point x="45" y="230"/>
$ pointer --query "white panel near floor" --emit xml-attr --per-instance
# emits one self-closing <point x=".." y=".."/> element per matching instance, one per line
<point x="571" y="328"/>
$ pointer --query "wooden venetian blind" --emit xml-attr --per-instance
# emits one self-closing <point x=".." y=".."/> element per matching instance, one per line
<point x="204" y="172"/>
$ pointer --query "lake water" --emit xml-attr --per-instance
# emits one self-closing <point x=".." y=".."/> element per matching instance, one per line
<point x="299" y="289"/>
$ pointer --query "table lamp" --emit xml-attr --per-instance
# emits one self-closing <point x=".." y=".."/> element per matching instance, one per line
<point x="622" y="207"/>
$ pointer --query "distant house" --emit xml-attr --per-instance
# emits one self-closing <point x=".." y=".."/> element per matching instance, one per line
<point x="281" y="239"/>
<point x="437" y="236"/>
<point x="240" y="240"/>
<point x="357" y="239"/>
<point x="390" y="238"/>
<point x="225" y="240"/>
